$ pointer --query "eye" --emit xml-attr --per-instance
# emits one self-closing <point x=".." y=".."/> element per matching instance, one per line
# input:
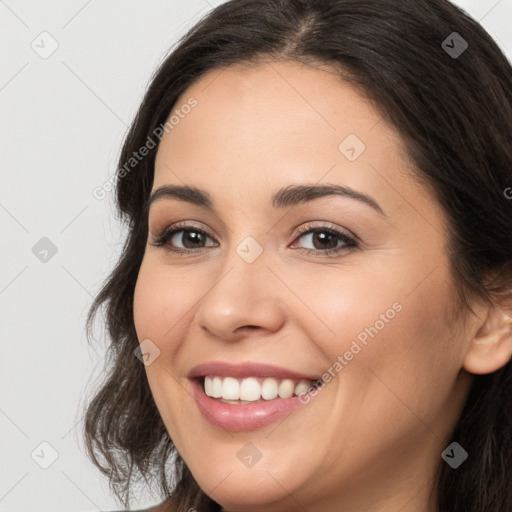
<point x="185" y="238"/>
<point x="325" y="239"/>
<point x="192" y="239"/>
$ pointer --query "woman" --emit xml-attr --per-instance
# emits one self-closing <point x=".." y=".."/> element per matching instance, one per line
<point x="313" y="307"/>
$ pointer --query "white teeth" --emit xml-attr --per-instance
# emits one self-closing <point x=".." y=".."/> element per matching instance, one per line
<point x="253" y="389"/>
<point x="217" y="387"/>
<point x="208" y="386"/>
<point x="301" y="387"/>
<point x="230" y="389"/>
<point x="269" y="389"/>
<point x="286" y="388"/>
<point x="250" y="390"/>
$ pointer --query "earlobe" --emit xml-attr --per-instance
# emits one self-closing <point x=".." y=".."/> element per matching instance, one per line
<point x="491" y="347"/>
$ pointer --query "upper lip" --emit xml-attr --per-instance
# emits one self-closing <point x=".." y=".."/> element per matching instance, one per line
<point x="246" y="369"/>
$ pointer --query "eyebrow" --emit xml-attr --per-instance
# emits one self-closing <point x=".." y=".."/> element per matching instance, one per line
<point x="288" y="196"/>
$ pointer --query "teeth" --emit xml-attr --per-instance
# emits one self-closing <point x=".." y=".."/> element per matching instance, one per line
<point x="250" y="390"/>
<point x="301" y="387"/>
<point x="269" y="389"/>
<point x="286" y="388"/>
<point x="253" y="389"/>
<point x="217" y="387"/>
<point x="230" y="389"/>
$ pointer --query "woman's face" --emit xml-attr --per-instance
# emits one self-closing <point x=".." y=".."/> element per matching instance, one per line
<point x="264" y="275"/>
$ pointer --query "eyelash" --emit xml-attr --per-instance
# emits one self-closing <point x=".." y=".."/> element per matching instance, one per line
<point x="166" y="235"/>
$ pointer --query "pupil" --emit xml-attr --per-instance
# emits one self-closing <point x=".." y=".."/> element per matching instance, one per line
<point x="194" y="236"/>
<point x="322" y="237"/>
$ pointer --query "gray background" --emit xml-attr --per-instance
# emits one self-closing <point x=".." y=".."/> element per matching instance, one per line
<point x="63" y="119"/>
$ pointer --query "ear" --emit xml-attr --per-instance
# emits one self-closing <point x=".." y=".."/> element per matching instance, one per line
<point x="491" y="347"/>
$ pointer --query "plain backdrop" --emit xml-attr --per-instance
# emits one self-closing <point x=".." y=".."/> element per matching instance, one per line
<point x="72" y="76"/>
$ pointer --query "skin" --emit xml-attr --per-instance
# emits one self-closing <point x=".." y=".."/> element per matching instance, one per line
<point x="372" y="438"/>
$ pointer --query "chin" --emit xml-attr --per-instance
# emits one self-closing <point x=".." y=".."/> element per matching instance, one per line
<point x="247" y="489"/>
<point x="250" y="496"/>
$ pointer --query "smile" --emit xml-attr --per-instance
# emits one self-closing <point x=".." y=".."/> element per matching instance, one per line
<point x="252" y="389"/>
<point x="246" y="396"/>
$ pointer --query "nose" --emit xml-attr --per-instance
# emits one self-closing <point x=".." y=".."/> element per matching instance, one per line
<point x="243" y="299"/>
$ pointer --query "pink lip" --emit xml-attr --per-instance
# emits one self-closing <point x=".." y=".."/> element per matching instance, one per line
<point x="242" y="417"/>
<point x="247" y="369"/>
<point x="245" y="417"/>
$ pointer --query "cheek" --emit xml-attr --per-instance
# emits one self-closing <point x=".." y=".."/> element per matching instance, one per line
<point x="160" y="305"/>
<point x="412" y="360"/>
<point x="159" y="302"/>
<point x="391" y="334"/>
<point x="349" y="304"/>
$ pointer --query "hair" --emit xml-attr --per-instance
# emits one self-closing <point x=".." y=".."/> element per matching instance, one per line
<point x="454" y="115"/>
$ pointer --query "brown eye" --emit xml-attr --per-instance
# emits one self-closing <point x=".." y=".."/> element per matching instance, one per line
<point x="183" y="239"/>
<point x="190" y="239"/>
<point x="325" y="240"/>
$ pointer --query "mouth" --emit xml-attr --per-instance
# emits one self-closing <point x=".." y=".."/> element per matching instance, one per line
<point x="237" y="391"/>
<point x="247" y="396"/>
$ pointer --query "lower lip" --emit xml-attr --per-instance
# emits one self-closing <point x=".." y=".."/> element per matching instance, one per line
<point x="242" y="417"/>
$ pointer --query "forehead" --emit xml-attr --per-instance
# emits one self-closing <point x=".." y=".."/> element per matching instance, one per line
<point x="279" y="101"/>
<point x="259" y="128"/>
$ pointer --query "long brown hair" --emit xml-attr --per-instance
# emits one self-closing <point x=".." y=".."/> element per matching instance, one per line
<point x="454" y="113"/>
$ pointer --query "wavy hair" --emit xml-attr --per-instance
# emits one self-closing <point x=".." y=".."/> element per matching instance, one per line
<point x="454" y="114"/>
